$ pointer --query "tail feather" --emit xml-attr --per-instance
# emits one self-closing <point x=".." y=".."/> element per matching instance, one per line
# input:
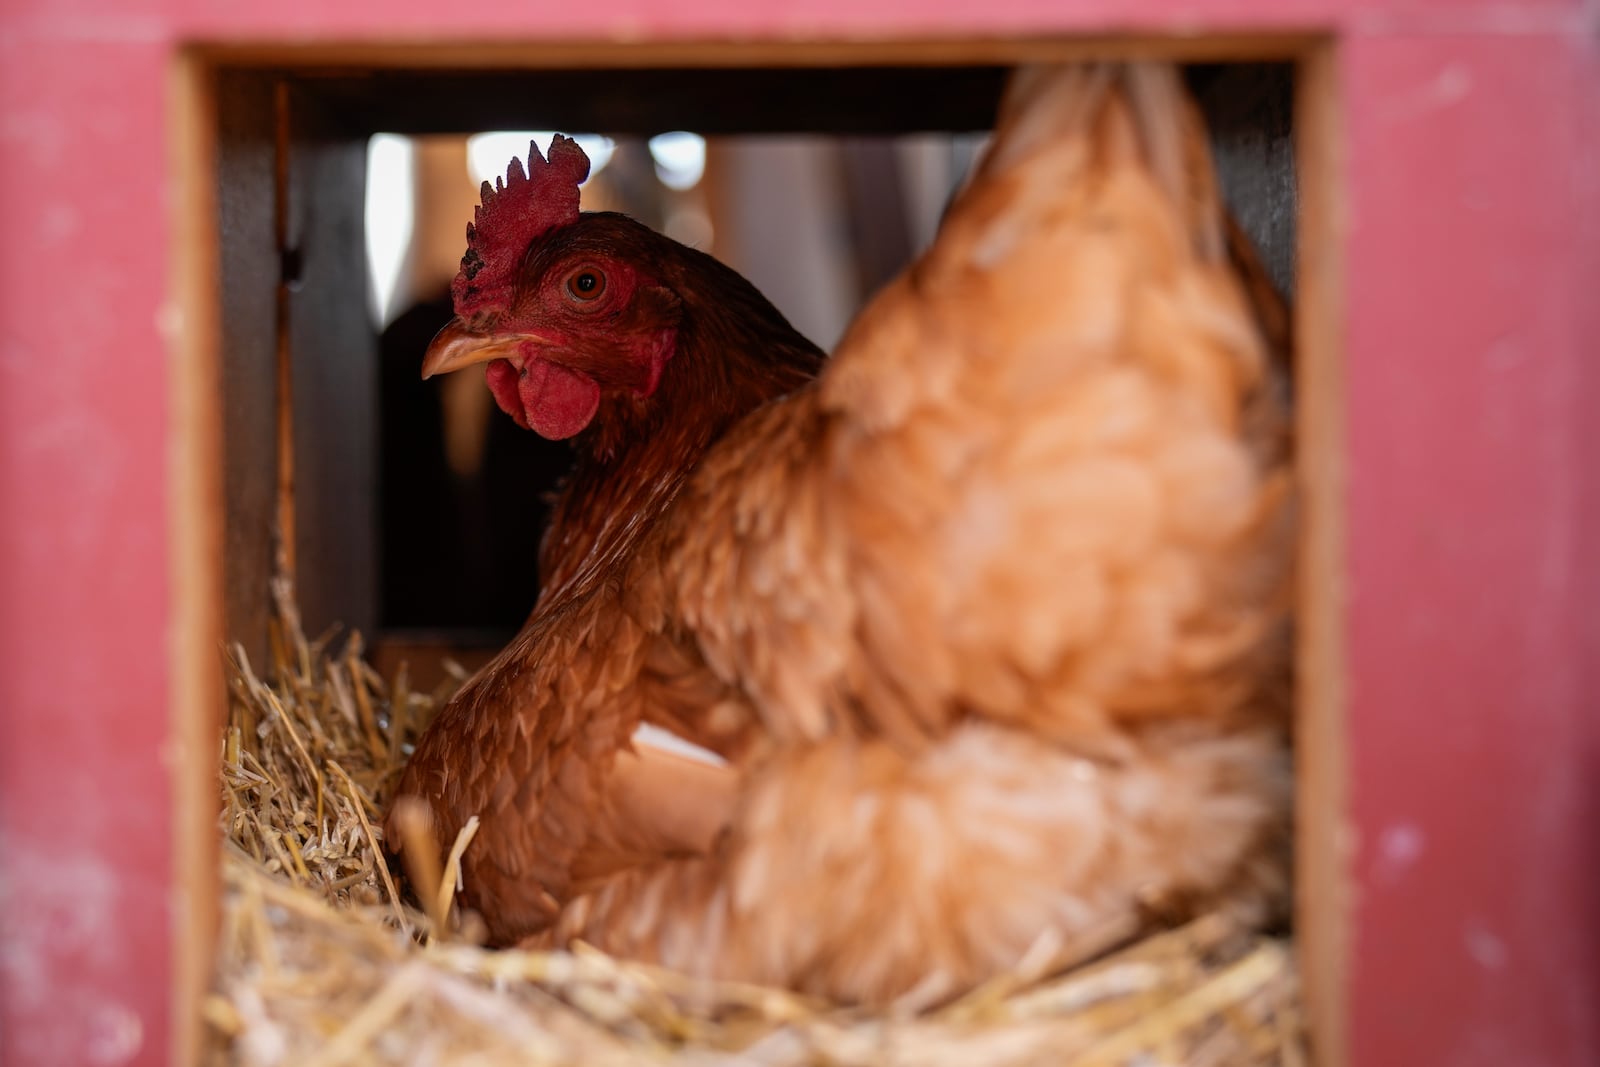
<point x="1113" y="109"/>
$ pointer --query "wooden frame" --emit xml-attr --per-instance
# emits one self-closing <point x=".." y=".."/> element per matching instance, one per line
<point x="1450" y="173"/>
<point x="197" y="541"/>
<point x="1321" y="880"/>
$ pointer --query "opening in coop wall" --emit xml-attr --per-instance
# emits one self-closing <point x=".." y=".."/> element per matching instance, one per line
<point x="417" y="515"/>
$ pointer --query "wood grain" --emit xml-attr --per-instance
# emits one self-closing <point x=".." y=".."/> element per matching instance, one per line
<point x="1322" y="830"/>
<point x="197" y="520"/>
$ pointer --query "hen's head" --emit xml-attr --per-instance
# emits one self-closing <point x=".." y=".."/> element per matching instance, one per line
<point x="565" y="309"/>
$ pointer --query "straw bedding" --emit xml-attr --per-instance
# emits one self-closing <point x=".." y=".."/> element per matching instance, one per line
<point x="320" y="961"/>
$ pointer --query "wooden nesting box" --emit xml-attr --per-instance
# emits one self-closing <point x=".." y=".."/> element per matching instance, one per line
<point x="1448" y="253"/>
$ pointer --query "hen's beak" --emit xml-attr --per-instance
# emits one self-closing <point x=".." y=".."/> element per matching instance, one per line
<point x="456" y="346"/>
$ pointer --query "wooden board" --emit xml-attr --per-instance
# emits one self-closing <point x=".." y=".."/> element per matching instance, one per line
<point x="298" y="362"/>
<point x="334" y="368"/>
<point x="246" y="199"/>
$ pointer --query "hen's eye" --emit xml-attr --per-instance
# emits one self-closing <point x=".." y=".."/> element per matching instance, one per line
<point x="587" y="283"/>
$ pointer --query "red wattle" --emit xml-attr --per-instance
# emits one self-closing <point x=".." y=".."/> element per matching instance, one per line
<point x="502" y="376"/>
<point x="559" y="402"/>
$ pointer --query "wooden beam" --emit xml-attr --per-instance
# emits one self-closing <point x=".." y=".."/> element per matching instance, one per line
<point x="794" y="52"/>
<point x="1322" y="822"/>
<point x="240" y="183"/>
<point x="199" y="694"/>
<point x="333" y="353"/>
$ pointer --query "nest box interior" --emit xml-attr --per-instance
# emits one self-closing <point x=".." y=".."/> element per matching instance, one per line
<point x="313" y="438"/>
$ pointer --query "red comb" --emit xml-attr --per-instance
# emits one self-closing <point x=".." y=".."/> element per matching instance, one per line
<point x="512" y="214"/>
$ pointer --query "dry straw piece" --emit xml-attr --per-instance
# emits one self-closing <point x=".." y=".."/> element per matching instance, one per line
<point x="320" y="962"/>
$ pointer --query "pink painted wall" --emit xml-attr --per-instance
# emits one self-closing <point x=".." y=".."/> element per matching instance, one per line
<point x="1476" y="747"/>
<point x="1473" y="268"/>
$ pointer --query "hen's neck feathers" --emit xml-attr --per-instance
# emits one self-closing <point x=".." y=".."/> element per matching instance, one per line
<point x="733" y="353"/>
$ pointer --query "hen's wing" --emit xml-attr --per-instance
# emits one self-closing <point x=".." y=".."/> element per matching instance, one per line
<point x="537" y="746"/>
<point x="859" y="872"/>
<point x="1044" y="479"/>
<point x="1007" y="590"/>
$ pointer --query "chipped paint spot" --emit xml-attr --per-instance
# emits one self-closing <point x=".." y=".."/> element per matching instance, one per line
<point x="169" y="321"/>
<point x="1485" y="947"/>
<point x="1449" y="87"/>
<point x="1506" y="353"/>
<point x="1399" y="847"/>
<point x="57" y="905"/>
<point x="58" y="223"/>
<point x="115" y="1035"/>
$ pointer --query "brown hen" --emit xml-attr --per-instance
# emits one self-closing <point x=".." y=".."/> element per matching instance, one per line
<point x="643" y="352"/>
<point x="992" y="618"/>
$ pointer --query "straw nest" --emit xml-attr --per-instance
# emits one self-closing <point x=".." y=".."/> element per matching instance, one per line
<point x="320" y="961"/>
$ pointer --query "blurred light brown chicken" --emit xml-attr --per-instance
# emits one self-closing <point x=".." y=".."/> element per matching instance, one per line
<point x="990" y="620"/>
